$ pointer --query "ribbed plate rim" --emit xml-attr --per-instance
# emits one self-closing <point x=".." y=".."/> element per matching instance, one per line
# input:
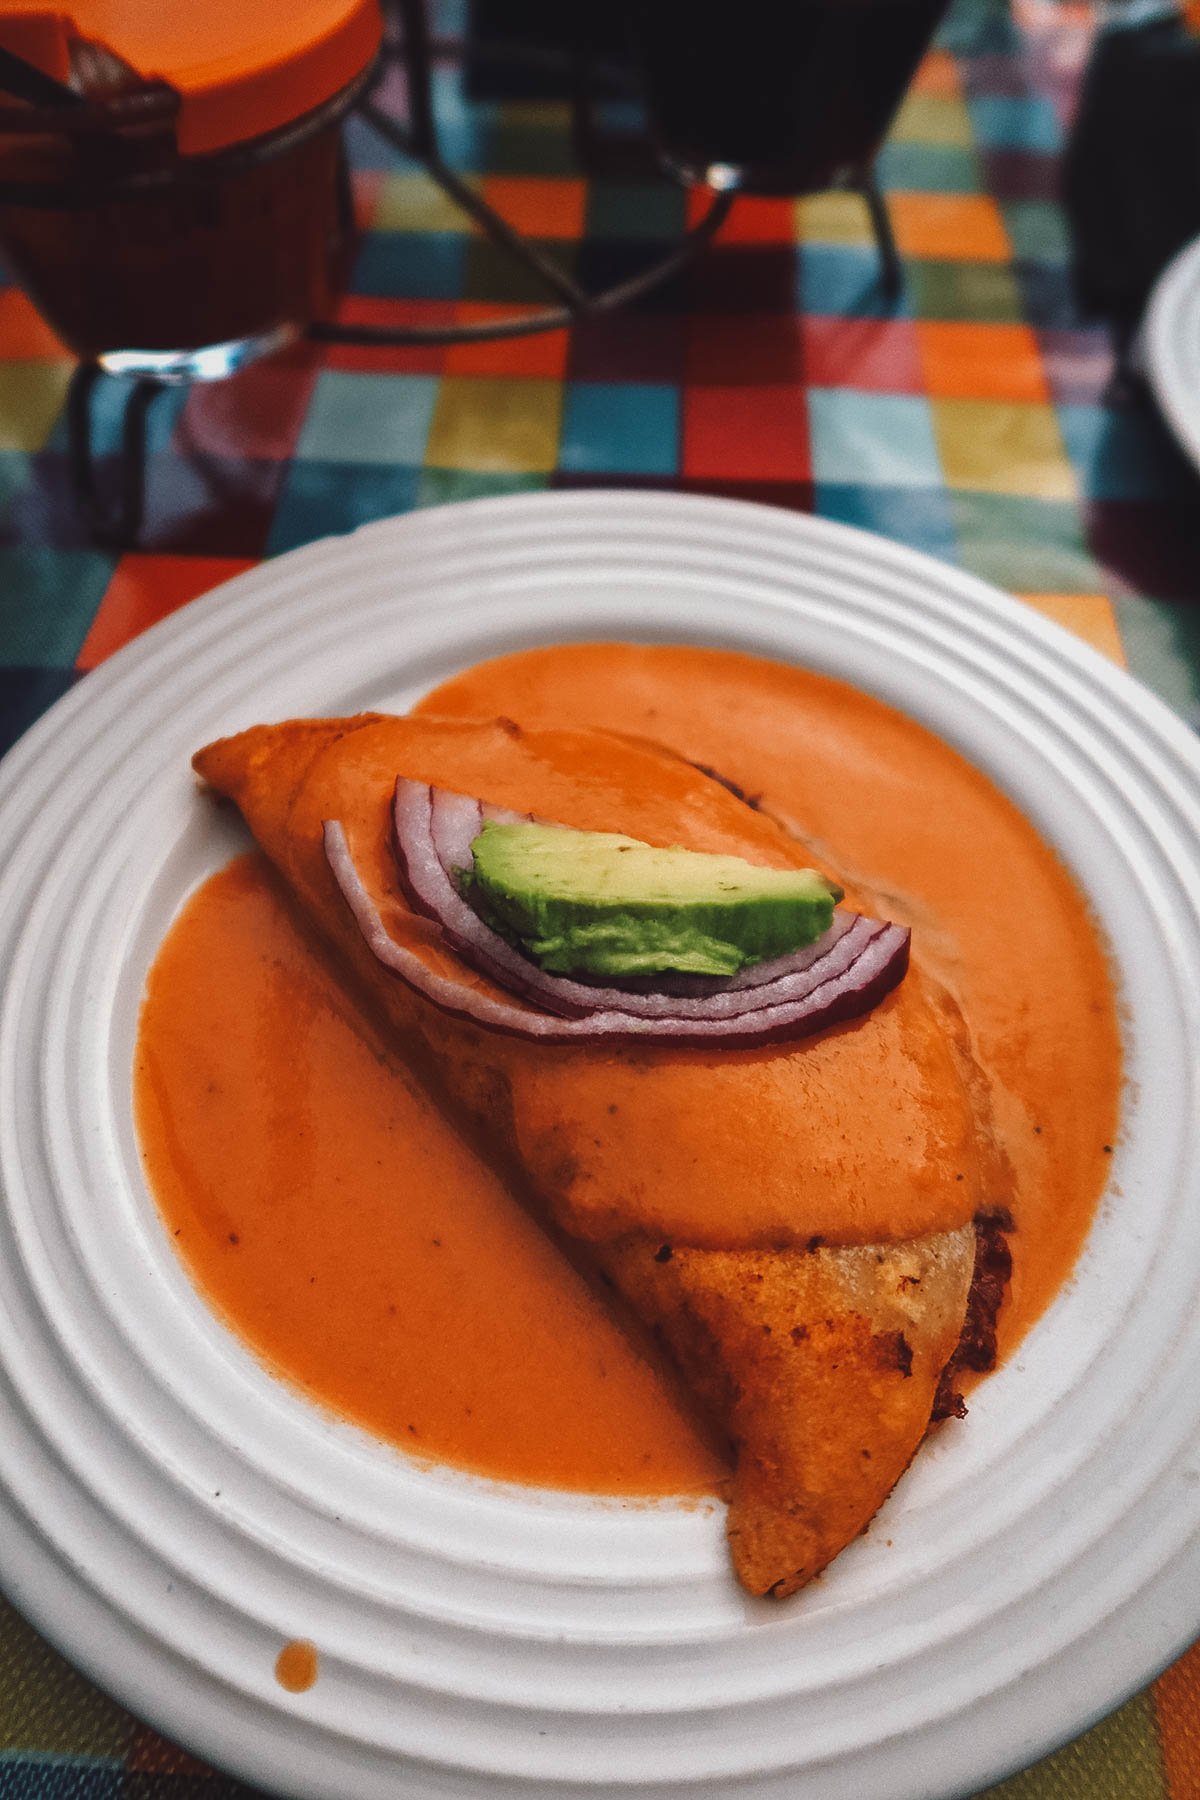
<point x="1170" y="342"/>
<point x="494" y="533"/>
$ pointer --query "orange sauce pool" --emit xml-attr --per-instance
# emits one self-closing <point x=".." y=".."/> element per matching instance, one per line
<point x="349" y="1235"/>
<point x="366" y="1253"/>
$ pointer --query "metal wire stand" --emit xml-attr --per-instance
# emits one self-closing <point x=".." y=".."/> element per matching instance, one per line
<point x="116" y="517"/>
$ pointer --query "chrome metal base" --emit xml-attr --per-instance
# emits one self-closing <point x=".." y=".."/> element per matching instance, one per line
<point x="211" y="362"/>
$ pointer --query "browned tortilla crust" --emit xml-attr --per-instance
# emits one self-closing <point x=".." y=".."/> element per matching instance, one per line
<point x="819" y="1366"/>
<point x="975" y="1352"/>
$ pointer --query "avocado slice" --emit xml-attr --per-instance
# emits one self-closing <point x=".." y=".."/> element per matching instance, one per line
<point x="597" y="903"/>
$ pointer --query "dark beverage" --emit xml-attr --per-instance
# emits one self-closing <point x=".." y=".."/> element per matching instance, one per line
<point x="185" y="220"/>
<point x="205" y="251"/>
<point x="776" y="96"/>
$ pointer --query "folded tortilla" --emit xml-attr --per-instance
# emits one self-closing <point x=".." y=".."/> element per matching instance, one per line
<point x="697" y="1183"/>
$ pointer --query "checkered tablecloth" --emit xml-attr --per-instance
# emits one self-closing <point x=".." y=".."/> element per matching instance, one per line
<point x="970" y="420"/>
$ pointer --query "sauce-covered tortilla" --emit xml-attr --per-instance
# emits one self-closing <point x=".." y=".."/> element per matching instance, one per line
<point x="910" y="824"/>
<point x="364" y="1248"/>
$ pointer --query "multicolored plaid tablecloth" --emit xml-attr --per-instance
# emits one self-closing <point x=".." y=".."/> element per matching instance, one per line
<point x="971" y="420"/>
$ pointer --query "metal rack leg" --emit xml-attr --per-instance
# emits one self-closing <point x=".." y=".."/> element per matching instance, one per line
<point x="118" y="519"/>
<point x="891" y="269"/>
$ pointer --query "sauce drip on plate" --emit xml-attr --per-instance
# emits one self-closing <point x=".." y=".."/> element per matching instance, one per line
<point x="297" y="1666"/>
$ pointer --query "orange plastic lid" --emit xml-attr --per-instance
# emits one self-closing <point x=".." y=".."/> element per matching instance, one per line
<point x="242" y="67"/>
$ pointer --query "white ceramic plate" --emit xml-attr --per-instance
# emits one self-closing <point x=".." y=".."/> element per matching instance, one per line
<point x="1170" y="347"/>
<point x="170" y="1515"/>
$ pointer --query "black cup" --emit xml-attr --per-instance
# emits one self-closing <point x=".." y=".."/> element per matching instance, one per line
<point x="776" y="96"/>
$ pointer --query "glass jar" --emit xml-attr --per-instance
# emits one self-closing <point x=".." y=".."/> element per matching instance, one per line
<point x="151" y="245"/>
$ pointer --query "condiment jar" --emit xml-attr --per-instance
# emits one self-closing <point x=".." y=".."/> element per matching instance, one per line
<point x="173" y="194"/>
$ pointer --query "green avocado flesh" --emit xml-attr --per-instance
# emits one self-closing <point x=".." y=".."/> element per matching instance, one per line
<point x="595" y="903"/>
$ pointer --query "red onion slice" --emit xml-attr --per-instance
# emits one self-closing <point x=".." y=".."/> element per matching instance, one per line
<point x="427" y="854"/>
<point x="853" y="983"/>
<point x="432" y="823"/>
<point x="454" y="823"/>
